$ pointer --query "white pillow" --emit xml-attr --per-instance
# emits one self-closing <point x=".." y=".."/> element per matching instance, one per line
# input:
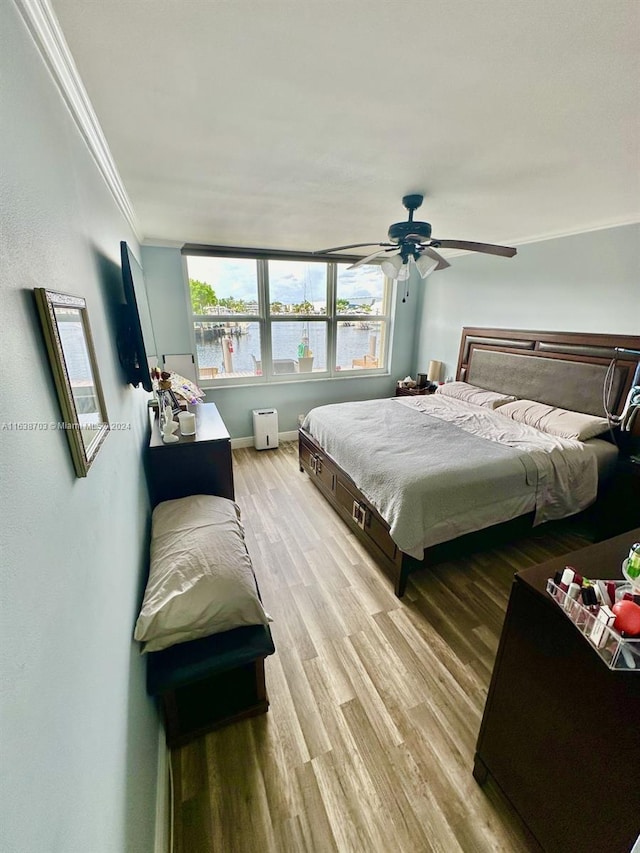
<point x="474" y="394"/>
<point x="550" y="419"/>
<point x="201" y="581"/>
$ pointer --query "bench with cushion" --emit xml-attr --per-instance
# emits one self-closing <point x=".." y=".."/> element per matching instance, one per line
<point x="204" y="684"/>
<point x="202" y="621"/>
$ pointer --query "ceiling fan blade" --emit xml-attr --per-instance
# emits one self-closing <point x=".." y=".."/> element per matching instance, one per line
<point x="350" y="246"/>
<point x="442" y="263"/>
<point x="370" y="258"/>
<point x="487" y="248"/>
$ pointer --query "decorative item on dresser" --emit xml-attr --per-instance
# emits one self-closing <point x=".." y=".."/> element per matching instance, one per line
<point x="556" y="369"/>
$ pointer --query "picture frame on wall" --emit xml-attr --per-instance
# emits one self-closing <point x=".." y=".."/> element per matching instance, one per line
<point x="72" y="358"/>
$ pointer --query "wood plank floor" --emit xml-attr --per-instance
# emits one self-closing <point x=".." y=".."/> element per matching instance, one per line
<point x="376" y="703"/>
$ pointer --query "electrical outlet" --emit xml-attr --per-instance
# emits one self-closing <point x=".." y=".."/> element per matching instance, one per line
<point x="301" y="419"/>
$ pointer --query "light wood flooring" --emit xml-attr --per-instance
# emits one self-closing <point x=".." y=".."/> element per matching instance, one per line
<point x="376" y="702"/>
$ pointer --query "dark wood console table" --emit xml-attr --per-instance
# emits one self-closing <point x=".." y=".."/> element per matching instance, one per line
<point x="197" y="464"/>
<point x="560" y="733"/>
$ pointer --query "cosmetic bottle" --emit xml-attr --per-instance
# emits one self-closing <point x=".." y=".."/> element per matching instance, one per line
<point x="567" y="578"/>
<point x="603" y="620"/>
<point x="633" y="563"/>
<point x="572" y="595"/>
<point x="589" y="599"/>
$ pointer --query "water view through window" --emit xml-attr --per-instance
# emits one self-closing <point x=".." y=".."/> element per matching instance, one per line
<point x="353" y="344"/>
<point x="234" y="299"/>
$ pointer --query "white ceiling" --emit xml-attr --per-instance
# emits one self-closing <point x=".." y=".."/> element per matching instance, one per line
<point x="301" y="123"/>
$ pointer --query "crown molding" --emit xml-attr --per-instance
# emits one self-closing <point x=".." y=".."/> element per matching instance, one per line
<point x="45" y="30"/>
<point x="587" y="229"/>
<point x="161" y="243"/>
<point x="558" y="235"/>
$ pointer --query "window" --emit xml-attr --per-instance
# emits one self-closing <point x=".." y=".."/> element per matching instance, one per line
<point x="265" y="319"/>
<point x="362" y="307"/>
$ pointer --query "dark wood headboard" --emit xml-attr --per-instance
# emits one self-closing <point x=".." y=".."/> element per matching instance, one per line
<point x="565" y="369"/>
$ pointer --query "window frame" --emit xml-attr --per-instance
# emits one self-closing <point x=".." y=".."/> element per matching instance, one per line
<point x="266" y="320"/>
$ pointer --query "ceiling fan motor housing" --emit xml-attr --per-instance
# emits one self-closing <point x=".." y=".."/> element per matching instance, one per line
<point x="399" y="231"/>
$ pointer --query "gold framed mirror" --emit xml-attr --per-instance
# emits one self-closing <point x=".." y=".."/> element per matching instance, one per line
<point x="65" y="323"/>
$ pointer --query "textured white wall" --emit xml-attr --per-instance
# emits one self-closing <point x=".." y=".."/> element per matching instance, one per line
<point x="79" y="736"/>
<point x="583" y="283"/>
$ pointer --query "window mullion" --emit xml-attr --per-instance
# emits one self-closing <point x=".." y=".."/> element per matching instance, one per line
<point x="332" y="329"/>
<point x="265" y="315"/>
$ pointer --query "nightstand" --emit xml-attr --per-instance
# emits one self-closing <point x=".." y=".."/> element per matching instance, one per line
<point x="618" y="508"/>
<point x="412" y="392"/>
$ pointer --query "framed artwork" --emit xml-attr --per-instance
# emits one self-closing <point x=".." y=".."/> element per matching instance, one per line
<point x="65" y="324"/>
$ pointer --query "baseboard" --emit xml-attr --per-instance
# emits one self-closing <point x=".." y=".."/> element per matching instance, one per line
<point x="236" y="443"/>
<point x="163" y="799"/>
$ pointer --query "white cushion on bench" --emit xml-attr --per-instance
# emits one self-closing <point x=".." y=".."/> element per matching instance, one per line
<point x="201" y="581"/>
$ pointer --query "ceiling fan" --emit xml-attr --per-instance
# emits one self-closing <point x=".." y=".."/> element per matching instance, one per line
<point x="411" y="244"/>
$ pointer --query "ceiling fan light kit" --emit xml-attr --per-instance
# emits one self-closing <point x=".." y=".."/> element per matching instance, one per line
<point x="426" y="265"/>
<point x="391" y="266"/>
<point x="413" y="245"/>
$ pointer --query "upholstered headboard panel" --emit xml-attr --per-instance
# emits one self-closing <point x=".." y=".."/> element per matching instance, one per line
<point x="565" y="369"/>
<point x="568" y="384"/>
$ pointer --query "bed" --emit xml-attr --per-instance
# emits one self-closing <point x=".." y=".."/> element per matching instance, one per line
<point x="411" y="473"/>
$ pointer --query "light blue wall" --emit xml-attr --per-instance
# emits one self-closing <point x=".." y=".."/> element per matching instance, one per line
<point x="583" y="283"/>
<point x="165" y="278"/>
<point x="587" y="282"/>
<point x="79" y="736"/>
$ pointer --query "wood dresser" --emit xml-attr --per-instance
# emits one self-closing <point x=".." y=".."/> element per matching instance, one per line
<point x="560" y="733"/>
<point x="197" y="464"/>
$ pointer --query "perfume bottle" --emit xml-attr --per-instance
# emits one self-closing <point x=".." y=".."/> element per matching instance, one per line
<point x="633" y="563"/>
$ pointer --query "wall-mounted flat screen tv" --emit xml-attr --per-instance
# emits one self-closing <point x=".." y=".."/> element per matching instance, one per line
<point x="136" y="344"/>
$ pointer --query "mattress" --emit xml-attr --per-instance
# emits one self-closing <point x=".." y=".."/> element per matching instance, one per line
<point x="436" y="468"/>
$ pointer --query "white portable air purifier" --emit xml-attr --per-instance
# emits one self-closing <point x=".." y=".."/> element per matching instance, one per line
<point x="265" y="428"/>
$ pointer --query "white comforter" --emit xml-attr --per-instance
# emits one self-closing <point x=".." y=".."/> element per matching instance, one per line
<point x="436" y="468"/>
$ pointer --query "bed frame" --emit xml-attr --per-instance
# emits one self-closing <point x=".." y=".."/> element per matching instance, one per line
<point x="565" y="369"/>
